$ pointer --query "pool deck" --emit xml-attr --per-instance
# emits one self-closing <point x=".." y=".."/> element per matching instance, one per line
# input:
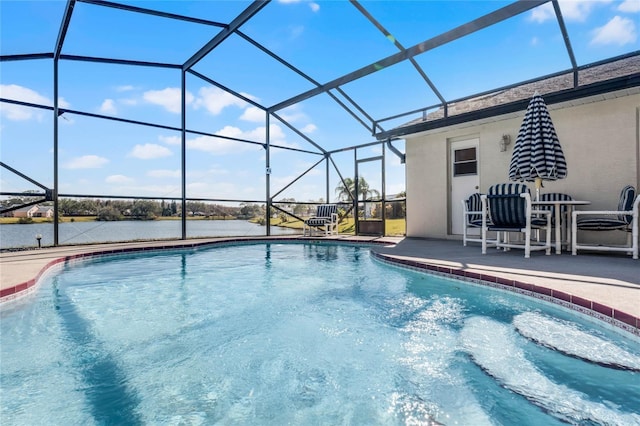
<point x="608" y="284"/>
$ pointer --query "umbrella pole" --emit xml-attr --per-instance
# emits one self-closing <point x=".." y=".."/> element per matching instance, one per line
<point x="538" y="186"/>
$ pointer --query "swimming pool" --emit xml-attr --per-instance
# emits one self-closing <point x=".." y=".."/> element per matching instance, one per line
<point x="300" y="334"/>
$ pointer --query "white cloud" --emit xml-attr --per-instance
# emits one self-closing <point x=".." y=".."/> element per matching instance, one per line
<point x="24" y="94"/>
<point x="253" y="114"/>
<point x="293" y="114"/>
<point x="149" y="190"/>
<point x="108" y="107"/>
<point x="215" y="100"/>
<point x="63" y="104"/>
<point x="572" y="10"/>
<point x="629" y="6"/>
<point x="119" y="179"/>
<point x="86" y="162"/>
<point x="124" y="88"/>
<point x="309" y="128"/>
<point x="542" y="13"/>
<point x="216" y="145"/>
<point x="312" y="5"/>
<point x="164" y="173"/>
<point x="216" y="170"/>
<point x="149" y="151"/>
<point x="276" y="134"/>
<point x="16" y="112"/>
<point x="219" y="145"/>
<point x="169" y="98"/>
<point x="13" y="91"/>
<point x="170" y="140"/>
<point x="618" y="31"/>
<point x="579" y="10"/>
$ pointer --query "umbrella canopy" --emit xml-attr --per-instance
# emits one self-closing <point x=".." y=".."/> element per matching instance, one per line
<point x="537" y="154"/>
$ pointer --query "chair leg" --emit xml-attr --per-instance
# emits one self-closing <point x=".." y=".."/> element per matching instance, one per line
<point x="632" y="242"/>
<point x="484" y="240"/>
<point x="574" y="235"/>
<point x="548" y="240"/>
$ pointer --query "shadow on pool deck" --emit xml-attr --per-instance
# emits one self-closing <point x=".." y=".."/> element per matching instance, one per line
<point x="610" y="280"/>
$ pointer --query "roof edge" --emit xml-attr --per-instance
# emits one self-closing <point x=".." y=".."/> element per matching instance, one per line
<point x="593" y="89"/>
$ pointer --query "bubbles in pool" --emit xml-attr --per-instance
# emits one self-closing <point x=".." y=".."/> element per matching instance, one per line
<point x="569" y="338"/>
<point x="493" y="346"/>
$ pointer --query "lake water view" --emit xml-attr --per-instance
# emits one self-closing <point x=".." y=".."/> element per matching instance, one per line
<point x="24" y="235"/>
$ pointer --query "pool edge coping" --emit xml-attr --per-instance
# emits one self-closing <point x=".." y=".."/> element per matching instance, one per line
<point x="24" y="288"/>
<point x="607" y="314"/>
<point x="619" y="319"/>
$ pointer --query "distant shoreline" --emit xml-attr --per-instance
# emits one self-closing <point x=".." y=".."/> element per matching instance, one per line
<point x="68" y="219"/>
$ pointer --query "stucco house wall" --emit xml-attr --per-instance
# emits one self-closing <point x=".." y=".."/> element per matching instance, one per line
<point x="43" y="212"/>
<point x="599" y="138"/>
<point x="25" y="211"/>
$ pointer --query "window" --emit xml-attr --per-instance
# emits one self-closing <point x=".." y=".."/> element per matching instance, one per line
<point x="465" y="162"/>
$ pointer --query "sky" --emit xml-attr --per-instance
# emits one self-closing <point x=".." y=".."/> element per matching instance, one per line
<point x="323" y="39"/>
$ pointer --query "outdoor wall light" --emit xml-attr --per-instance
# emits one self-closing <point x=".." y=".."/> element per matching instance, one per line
<point x="506" y="140"/>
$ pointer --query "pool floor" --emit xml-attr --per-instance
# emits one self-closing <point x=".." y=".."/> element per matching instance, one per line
<point x="293" y="334"/>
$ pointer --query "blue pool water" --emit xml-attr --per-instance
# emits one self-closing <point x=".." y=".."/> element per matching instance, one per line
<point x="275" y="334"/>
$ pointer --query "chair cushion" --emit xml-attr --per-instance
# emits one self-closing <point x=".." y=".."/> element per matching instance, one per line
<point x="476" y="223"/>
<point x="554" y="196"/>
<point x="323" y="215"/>
<point x="600" y="223"/>
<point x="318" y="221"/>
<point x="627" y="196"/>
<point x="474" y="204"/>
<point x="537" y="222"/>
<point x="506" y="207"/>
<point x="326" y="210"/>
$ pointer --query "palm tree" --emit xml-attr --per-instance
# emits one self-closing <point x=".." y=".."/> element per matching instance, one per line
<point x="346" y="190"/>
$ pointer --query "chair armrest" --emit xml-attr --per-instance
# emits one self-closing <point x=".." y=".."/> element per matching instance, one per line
<point x="611" y="212"/>
<point x="542" y="212"/>
<point x="485" y="211"/>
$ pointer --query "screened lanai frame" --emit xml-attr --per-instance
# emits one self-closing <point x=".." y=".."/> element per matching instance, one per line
<point x="333" y="88"/>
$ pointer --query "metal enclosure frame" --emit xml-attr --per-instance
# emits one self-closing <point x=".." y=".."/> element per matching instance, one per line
<point x="334" y="89"/>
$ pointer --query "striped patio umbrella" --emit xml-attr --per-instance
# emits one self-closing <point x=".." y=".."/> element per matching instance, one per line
<point x="537" y="154"/>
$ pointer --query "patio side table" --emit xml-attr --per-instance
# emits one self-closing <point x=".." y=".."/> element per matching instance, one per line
<point x="570" y="204"/>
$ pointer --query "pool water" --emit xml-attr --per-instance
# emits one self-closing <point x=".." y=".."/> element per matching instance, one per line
<point x="303" y="334"/>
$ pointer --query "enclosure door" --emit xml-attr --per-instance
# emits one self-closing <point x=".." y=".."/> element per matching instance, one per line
<point x="369" y="184"/>
<point x="464" y="179"/>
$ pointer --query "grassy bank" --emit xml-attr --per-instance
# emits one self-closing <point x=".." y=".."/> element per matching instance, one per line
<point x="16" y="220"/>
<point x="347" y="226"/>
